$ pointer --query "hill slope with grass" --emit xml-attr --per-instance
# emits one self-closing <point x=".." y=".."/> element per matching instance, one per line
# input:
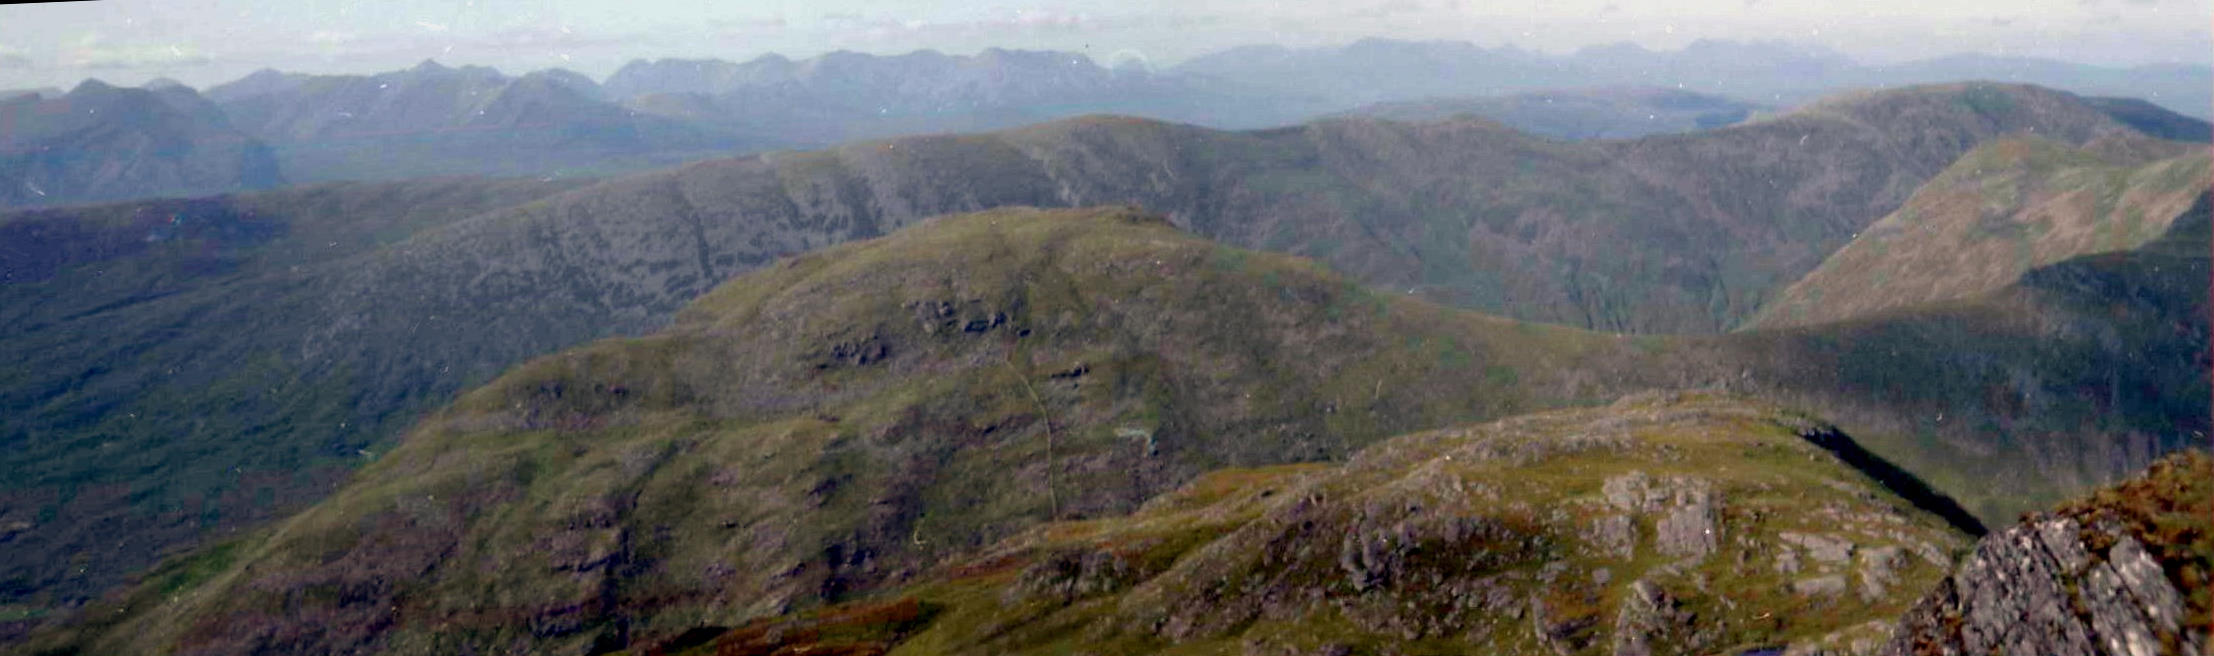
<point x="839" y="421"/>
<point x="2007" y="207"/>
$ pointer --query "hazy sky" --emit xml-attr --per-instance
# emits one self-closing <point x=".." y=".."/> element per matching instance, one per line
<point x="203" y="42"/>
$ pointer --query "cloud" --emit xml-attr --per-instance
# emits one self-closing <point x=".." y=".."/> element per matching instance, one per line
<point x="14" y="59"/>
<point x="1385" y="9"/>
<point x="527" y="41"/>
<point x="557" y="37"/>
<point x="94" y="52"/>
<point x="333" y="39"/>
<point x="731" y="26"/>
<point x="862" y="27"/>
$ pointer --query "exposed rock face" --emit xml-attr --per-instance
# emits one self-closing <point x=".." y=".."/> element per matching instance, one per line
<point x="1069" y="575"/>
<point x="2081" y="581"/>
<point x="1646" y="612"/>
<point x="1686" y="508"/>
<point x="2038" y="589"/>
<point x="1824" y="549"/>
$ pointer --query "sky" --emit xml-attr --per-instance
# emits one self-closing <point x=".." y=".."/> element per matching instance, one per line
<point x="205" y="42"/>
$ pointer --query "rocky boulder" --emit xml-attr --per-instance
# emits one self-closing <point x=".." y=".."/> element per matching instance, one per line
<point x="2122" y="573"/>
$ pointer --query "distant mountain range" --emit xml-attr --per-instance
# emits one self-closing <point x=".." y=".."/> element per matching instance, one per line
<point x="1580" y="114"/>
<point x="99" y="142"/>
<point x="436" y="120"/>
<point x="844" y="96"/>
<point x="1772" y="73"/>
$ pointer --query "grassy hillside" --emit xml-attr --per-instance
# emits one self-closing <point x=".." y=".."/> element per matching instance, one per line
<point x="2009" y="206"/>
<point x="844" y="418"/>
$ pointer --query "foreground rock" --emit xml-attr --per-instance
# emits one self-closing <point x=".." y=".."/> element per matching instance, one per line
<point x="2121" y="573"/>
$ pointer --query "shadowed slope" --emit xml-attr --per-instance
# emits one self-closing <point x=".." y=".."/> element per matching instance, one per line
<point x="2079" y="373"/>
<point x="154" y="390"/>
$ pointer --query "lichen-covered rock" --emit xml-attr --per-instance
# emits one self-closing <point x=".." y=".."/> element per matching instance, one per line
<point x="1820" y="586"/>
<point x="1824" y="549"/>
<point x="1647" y="614"/>
<point x="1878" y="570"/>
<point x="1686" y="507"/>
<point x="1614" y="535"/>
<point x="1068" y="575"/>
<point x="2084" y="580"/>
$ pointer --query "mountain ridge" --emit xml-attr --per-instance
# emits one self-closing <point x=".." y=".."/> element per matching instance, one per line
<point x="434" y="120"/>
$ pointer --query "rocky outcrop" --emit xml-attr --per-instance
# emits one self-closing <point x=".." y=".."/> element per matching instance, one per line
<point x="2099" y="578"/>
<point x="1686" y="509"/>
<point x="2038" y="589"/>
